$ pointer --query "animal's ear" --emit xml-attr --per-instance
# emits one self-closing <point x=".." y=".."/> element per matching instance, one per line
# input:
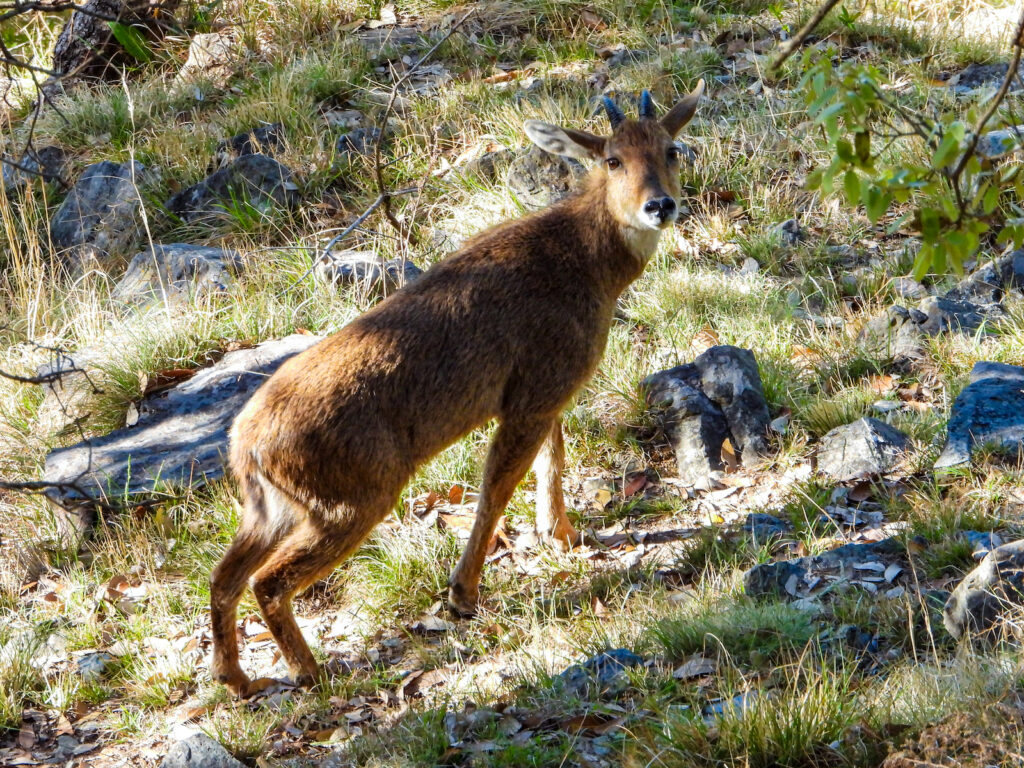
<point x="683" y="112"/>
<point x="563" y="141"/>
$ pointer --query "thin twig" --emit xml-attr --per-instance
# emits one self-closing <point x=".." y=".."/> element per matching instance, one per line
<point x="993" y="106"/>
<point x="349" y="230"/>
<point x="802" y="35"/>
<point x="383" y="195"/>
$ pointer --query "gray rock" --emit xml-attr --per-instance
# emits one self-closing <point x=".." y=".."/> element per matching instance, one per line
<point x="718" y="396"/>
<point x="731" y="380"/>
<point x="360" y="141"/>
<point x="987" y="592"/>
<point x="366" y="270"/>
<point x="909" y="288"/>
<point x="48" y="163"/>
<point x="866" y="448"/>
<point x="93" y="666"/>
<point x="790" y="233"/>
<point x="177" y="271"/>
<point x="264" y="139"/>
<point x="99" y="217"/>
<point x="991" y="282"/>
<point x="769" y="580"/>
<point x="997" y="144"/>
<point x="694" y="425"/>
<point x="763" y="527"/>
<point x="256" y="180"/>
<point x="488" y="165"/>
<point x="180" y="438"/>
<point x="976" y="75"/>
<point x="790" y="579"/>
<point x="199" y="751"/>
<point x="892" y="335"/>
<point x="604" y="673"/>
<point x="989" y="411"/>
<point x="942" y="315"/>
<point x="539" y="178"/>
<point x="981" y="542"/>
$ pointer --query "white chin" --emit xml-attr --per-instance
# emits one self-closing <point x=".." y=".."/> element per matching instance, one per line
<point x="646" y="221"/>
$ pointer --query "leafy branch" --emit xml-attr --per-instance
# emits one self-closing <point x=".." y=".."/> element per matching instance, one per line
<point x="956" y="196"/>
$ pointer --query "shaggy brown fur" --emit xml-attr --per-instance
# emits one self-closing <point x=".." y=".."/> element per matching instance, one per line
<point x="508" y="328"/>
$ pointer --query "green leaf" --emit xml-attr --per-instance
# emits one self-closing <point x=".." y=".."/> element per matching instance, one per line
<point x="876" y="203"/>
<point x="844" y="150"/>
<point x="862" y="145"/>
<point x="929" y="224"/>
<point x="945" y="152"/>
<point x="851" y="185"/>
<point x="991" y="200"/>
<point x="131" y="40"/>
<point x="923" y="261"/>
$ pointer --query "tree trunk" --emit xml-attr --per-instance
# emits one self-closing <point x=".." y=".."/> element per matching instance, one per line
<point x="86" y="46"/>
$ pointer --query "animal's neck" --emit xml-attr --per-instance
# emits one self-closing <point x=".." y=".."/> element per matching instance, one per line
<point x="619" y="253"/>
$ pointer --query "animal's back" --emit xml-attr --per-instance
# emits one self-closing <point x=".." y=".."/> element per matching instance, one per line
<point x="506" y="323"/>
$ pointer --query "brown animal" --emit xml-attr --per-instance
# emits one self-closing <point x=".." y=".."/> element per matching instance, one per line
<point x="508" y="328"/>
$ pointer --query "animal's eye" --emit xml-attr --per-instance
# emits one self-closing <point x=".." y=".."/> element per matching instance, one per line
<point x="613" y="163"/>
<point x="673" y="154"/>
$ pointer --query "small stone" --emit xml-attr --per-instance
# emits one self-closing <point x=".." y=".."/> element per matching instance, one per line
<point x="997" y="144"/>
<point x="489" y="164"/>
<point x="750" y="267"/>
<point x="93" y="666"/>
<point x="866" y="448"/>
<point x="265" y="139"/>
<point x="769" y="580"/>
<point x="360" y="141"/>
<point x="982" y="543"/>
<point x="606" y="672"/>
<point x="942" y="315"/>
<point x="199" y="751"/>
<point x="789" y="233"/>
<point x="988" y="412"/>
<point x="909" y="288"/>
<point x="763" y="527"/>
<point x="995" y="587"/>
<point x="539" y="178"/>
<point x="177" y="271"/>
<point x="256" y="181"/>
<point x="366" y="270"/>
<point x="99" y="217"/>
<point x="48" y="163"/>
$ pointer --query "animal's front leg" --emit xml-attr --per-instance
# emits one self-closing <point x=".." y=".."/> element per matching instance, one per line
<point x="514" y="446"/>
<point x="553" y="526"/>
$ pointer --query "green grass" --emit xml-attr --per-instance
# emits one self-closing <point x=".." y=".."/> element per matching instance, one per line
<point x="814" y="699"/>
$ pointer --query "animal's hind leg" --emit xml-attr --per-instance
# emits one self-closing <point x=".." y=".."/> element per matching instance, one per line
<point x="252" y="545"/>
<point x="553" y="525"/>
<point x="310" y="552"/>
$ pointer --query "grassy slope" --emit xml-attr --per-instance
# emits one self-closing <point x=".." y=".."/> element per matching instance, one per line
<point x="820" y="703"/>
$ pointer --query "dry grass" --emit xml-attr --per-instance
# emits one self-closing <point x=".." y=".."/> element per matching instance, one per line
<point x="819" y="705"/>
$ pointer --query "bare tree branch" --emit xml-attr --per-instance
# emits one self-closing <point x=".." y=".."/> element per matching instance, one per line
<point x="1004" y="88"/>
<point x="795" y="42"/>
<point x="383" y="195"/>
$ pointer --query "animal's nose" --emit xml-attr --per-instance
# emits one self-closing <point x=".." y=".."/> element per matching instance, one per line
<point x="662" y="207"/>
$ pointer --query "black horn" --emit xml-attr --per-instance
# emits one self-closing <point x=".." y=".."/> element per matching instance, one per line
<point x="615" y="116"/>
<point x="646" y="106"/>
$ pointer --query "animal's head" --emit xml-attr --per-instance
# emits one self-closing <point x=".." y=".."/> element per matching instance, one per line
<point x="640" y="158"/>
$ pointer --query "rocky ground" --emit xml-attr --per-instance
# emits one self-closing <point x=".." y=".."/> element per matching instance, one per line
<point x="798" y="469"/>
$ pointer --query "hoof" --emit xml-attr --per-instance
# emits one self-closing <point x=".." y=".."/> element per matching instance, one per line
<point x="460" y="603"/>
<point x="563" y="538"/>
